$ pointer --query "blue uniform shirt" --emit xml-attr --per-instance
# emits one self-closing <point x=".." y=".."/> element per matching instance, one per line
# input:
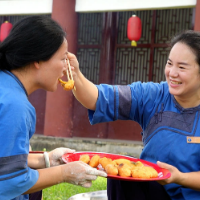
<point x="165" y="124"/>
<point x="17" y="125"/>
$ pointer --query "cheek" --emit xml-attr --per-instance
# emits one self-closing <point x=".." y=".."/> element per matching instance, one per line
<point x="61" y="66"/>
<point x="166" y="71"/>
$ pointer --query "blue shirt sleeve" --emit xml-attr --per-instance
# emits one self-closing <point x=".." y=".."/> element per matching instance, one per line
<point x="104" y="106"/>
<point x="136" y="102"/>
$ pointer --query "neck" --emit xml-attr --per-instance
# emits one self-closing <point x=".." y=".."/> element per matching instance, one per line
<point x="188" y="102"/>
<point x="25" y="76"/>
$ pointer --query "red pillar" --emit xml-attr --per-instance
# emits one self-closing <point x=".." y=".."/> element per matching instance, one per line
<point x="59" y="104"/>
<point x="38" y="100"/>
<point x="197" y="16"/>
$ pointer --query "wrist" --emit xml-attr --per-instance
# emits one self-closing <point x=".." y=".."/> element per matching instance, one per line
<point x="46" y="159"/>
<point x="64" y="172"/>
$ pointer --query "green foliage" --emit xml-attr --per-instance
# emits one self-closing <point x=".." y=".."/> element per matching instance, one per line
<point x="63" y="191"/>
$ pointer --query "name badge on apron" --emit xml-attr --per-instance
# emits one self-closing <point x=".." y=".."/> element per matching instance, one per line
<point x="193" y="139"/>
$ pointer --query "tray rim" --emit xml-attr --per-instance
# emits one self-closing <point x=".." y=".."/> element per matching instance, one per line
<point x="166" y="173"/>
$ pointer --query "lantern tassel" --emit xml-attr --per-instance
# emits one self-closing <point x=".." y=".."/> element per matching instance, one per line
<point x="133" y="43"/>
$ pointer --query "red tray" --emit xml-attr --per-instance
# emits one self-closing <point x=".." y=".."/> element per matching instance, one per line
<point x="162" y="173"/>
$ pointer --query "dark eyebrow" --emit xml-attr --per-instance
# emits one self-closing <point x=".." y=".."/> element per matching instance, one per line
<point x="180" y="63"/>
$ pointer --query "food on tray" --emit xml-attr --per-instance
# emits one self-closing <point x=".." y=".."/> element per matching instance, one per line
<point x="94" y="161"/>
<point x="144" y="172"/>
<point x="138" y="164"/>
<point x="85" y="158"/>
<point x="124" y="170"/>
<point x="111" y="169"/>
<point x="69" y="85"/>
<point x="119" y="161"/>
<point x="122" y="167"/>
<point x="105" y="161"/>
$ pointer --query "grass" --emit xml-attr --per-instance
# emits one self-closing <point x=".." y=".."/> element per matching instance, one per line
<point x="63" y="191"/>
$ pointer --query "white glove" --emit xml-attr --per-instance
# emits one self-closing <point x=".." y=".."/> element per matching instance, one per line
<point x="79" y="173"/>
<point x="55" y="156"/>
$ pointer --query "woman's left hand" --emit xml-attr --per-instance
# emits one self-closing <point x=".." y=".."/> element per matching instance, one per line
<point x="175" y="173"/>
<point x="55" y="156"/>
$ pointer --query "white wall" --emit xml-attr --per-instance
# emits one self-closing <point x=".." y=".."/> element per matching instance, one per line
<point x="126" y="5"/>
<point x="16" y="7"/>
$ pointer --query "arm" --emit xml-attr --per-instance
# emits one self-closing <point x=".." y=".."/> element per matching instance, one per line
<point x="189" y="180"/>
<point x="36" y="160"/>
<point x="47" y="177"/>
<point x="86" y="92"/>
<point x="77" y="173"/>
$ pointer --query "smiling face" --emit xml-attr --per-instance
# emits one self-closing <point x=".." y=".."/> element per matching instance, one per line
<point x="183" y="74"/>
<point x="53" y="69"/>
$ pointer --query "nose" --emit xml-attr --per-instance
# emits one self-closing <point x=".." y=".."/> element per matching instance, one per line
<point x="173" y="71"/>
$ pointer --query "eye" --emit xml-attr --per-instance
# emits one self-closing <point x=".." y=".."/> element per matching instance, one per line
<point x="169" y="63"/>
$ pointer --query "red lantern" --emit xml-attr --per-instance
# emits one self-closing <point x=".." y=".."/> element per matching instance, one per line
<point x="134" y="29"/>
<point x="5" y="30"/>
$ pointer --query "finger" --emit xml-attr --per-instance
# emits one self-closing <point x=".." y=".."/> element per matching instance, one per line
<point x="91" y="178"/>
<point x="61" y="161"/>
<point x="83" y="164"/>
<point x="70" y="55"/>
<point x="66" y="150"/>
<point x="96" y="172"/>
<point x="159" y="163"/>
<point x="101" y="173"/>
<point x="87" y="184"/>
<point x="163" y="165"/>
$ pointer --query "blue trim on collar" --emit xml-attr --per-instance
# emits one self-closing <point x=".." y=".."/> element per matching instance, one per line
<point x="185" y="110"/>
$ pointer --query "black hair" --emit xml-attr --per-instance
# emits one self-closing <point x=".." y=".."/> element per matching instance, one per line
<point x="34" y="38"/>
<point x="192" y="39"/>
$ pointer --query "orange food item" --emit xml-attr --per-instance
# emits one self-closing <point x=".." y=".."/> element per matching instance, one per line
<point x="139" y="164"/>
<point x="152" y="171"/>
<point x="124" y="170"/>
<point x="105" y="161"/>
<point x="134" y="165"/>
<point x="69" y="85"/>
<point x="144" y="172"/>
<point x="94" y="161"/>
<point x="119" y="161"/>
<point x="111" y="169"/>
<point x="85" y="158"/>
<point x="121" y="167"/>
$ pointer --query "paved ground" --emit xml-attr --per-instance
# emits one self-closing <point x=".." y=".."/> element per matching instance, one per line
<point x="131" y="148"/>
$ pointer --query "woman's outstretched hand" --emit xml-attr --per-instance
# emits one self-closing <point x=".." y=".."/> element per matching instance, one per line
<point x="79" y="173"/>
<point x="175" y="173"/>
<point x="55" y="156"/>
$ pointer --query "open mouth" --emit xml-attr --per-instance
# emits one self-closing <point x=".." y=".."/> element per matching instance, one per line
<point x="176" y="83"/>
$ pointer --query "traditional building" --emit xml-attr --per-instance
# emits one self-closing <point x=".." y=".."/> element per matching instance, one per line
<point x="96" y="33"/>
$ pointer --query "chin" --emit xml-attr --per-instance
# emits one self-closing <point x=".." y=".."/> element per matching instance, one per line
<point x="174" y="93"/>
<point x="52" y="89"/>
